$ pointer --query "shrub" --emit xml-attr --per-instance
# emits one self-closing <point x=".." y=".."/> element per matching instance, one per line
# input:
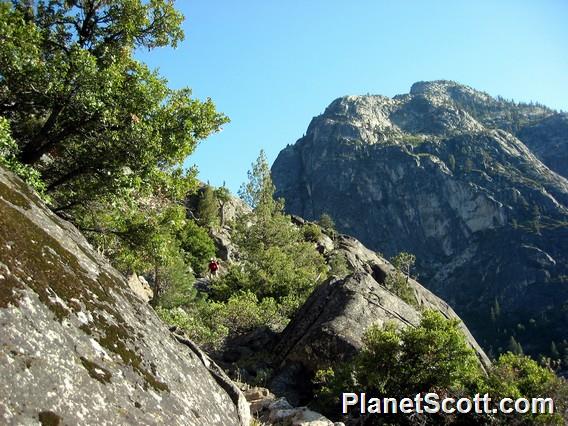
<point x="399" y="363"/>
<point x="326" y="222"/>
<point x="209" y="322"/>
<point x="275" y="261"/>
<point x="311" y="232"/>
<point x="338" y="265"/>
<point x="435" y="357"/>
<point x="8" y="159"/>
<point x="197" y="245"/>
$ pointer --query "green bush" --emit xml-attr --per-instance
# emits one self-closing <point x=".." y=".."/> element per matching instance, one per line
<point x="275" y="261"/>
<point x="338" y="265"/>
<point x="197" y="245"/>
<point x="9" y="159"/>
<point x="177" y="285"/>
<point x="200" y="323"/>
<point x="326" y="222"/>
<point x="397" y="283"/>
<point x="398" y="363"/>
<point x="518" y="376"/>
<point x="209" y="323"/>
<point x="208" y="208"/>
<point x="311" y="232"/>
<point x="435" y="357"/>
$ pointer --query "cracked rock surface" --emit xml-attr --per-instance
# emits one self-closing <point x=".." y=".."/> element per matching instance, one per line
<point x="78" y="347"/>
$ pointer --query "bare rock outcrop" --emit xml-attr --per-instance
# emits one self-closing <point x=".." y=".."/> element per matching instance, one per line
<point x="474" y="186"/>
<point x="78" y="347"/>
<point x="329" y="327"/>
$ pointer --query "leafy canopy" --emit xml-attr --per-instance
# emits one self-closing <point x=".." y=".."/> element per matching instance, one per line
<point x="98" y="132"/>
<point x="84" y="113"/>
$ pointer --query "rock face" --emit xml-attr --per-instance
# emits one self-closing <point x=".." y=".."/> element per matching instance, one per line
<point x="443" y="173"/>
<point x="548" y="139"/>
<point x="329" y="327"/>
<point x="78" y="347"/>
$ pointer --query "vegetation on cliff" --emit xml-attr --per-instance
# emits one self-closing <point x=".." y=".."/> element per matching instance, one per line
<point x="434" y="357"/>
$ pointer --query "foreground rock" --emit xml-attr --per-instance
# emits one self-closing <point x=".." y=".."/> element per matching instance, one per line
<point x="278" y="411"/>
<point x="460" y="179"/>
<point x="78" y="347"/>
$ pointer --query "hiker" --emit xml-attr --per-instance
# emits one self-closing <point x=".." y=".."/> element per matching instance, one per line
<point x="213" y="268"/>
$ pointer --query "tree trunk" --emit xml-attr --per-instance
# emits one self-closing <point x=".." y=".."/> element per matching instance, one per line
<point x="156" y="295"/>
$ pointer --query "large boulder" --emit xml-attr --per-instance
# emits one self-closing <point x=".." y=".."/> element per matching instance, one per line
<point x="78" y="347"/>
<point x="329" y="327"/>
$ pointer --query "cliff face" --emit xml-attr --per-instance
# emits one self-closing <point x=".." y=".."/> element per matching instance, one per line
<point x="443" y="173"/>
<point x="77" y="345"/>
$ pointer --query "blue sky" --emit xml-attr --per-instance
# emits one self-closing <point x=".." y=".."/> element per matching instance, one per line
<point x="272" y="65"/>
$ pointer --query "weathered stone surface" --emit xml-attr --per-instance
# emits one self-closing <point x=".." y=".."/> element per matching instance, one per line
<point x="140" y="287"/>
<point x="329" y="327"/>
<point x="78" y="347"/>
<point x="301" y="416"/>
<point x="443" y="173"/>
<point x="548" y="139"/>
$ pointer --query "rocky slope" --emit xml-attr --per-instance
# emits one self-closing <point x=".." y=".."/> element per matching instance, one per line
<point x="443" y="172"/>
<point x="329" y="327"/>
<point x="78" y="347"/>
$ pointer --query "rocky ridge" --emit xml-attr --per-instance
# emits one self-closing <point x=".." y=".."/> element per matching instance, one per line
<point x="329" y="327"/>
<point x="443" y="172"/>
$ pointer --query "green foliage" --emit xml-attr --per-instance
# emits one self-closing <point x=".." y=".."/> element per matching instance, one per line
<point x="338" y="265"/>
<point x="200" y="323"/>
<point x="243" y="312"/>
<point x="9" y="159"/>
<point x="398" y="281"/>
<point x="404" y="262"/>
<point x="209" y="322"/>
<point x="413" y="140"/>
<point x="311" y="232"/>
<point x="73" y="91"/>
<point x="177" y="285"/>
<point x="197" y="245"/>
<point x="514" y="346"/>
<point x="517" y="376"/>
<point x="223" y="196"/>
<point x="258" y="191"/>
<point x="326" y="222"/>
<point x="100" y="132"/>
<point x="275" y="261"/>
<point x="399" y="363"/>
<point x="435" y="357"/>
<point x="208" y="207"/>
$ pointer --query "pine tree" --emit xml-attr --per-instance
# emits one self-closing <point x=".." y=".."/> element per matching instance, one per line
<point x="514" y="347"/>
<point x="326" y="222"/>
<point x="554" y="353"/>
<point x="208" y="208"/>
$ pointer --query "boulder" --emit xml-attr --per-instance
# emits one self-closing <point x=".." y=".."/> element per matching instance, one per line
<point x="140" y="287"/>
<point x="329" y="327"/>
<point x="79" y="347"/>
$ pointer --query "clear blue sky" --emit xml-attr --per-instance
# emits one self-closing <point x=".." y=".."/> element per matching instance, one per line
<point x="272" y="65"/>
